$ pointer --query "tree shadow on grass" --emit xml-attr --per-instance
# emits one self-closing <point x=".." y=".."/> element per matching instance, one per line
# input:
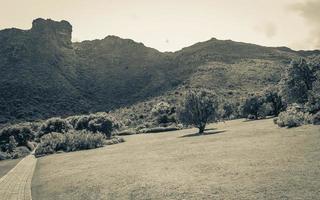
<point x="204" y="134"/>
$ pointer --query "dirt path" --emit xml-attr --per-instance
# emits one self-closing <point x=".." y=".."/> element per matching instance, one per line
<point x="16" y="184"/>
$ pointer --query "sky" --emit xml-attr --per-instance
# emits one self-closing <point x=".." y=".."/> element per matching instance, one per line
<point x="169" y="25"/>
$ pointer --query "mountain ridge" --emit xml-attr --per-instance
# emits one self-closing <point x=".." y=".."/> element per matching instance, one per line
<point x="45" y="74"/>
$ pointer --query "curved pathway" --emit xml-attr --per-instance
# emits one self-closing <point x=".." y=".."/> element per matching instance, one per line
<point x="16" y="184"/>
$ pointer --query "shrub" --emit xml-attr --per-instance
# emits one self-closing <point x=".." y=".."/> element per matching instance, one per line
<point x="21" y="133"/>
<point x="20" y="152"/>
<point x="273" y="98"/>
<point x="70" y="141"/>
<point x="316" y="118"/>
<point x="230" y="110"/>
<point x="293" y="118"/>
<point x="115" y="140"/>
<point x="55" y="124"/>
<point x="4" y="155"/>
<point x="251" y="106"/>
<point x="127" y="132"/>
<point x="164" y="113"/>
<point x="265" y="110"/>
<point x="99" y="122"/>
<point x="198" y="108"/>
<point x="11" y="145"/>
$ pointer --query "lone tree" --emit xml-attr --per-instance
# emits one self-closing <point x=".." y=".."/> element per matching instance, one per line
<point x="199" y="108"/>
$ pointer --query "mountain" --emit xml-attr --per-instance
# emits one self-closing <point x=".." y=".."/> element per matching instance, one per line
<point x="44" y="74"/>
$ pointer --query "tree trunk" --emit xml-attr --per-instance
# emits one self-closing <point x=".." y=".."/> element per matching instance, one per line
<point x="201" y="129"/>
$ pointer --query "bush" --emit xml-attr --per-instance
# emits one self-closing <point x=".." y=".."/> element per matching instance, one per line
<point x="127" y="132"/>
<point x="21" y="133"/>
<point x="115" y="140"/>
<point x="293" y="118"/>
<point x="316" y="118"/>
<point x="70" y="141"/>
<point x="164" y="113"/>
<point x="11" y="145"/>
<point x="99" y="122"/>
<point x="265" y="110"/>
<point x="55" y="124"/>
<point x="20" y="152"/>
<point x="4" y="156"/>
<point x="251" y="106"/>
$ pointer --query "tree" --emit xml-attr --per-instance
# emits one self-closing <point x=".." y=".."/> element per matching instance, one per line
<point x="252" y="105"/>
<point x="199" y="108"/>
<point x="272" y="96"/>
<point x="296" y="82"/>
<point x="12" y="144"/>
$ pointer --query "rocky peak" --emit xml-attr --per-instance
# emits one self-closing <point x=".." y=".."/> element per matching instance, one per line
<point x="49" y="29"/>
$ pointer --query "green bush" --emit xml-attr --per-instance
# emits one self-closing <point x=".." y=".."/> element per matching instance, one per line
<point x="316" y="118"/>
<point x="4" y="155"/>
<point x="21" y="133"/>
<point x="99" y="122"/>
<point x="20" y="152"/>
<point x="70" y="141"/>
<point x="251" y="106"/>
<point x="115" y="140"/>
<point x="163" y="113"/>
<point x="55" y="124"/>
<point x="293" y="117"/>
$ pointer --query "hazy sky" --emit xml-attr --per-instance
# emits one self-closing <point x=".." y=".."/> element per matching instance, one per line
<point x="170" y="25"/>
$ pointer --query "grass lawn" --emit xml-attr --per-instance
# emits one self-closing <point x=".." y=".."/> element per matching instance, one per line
<point x="243" y="160"/>
<point x="7" y="165"/>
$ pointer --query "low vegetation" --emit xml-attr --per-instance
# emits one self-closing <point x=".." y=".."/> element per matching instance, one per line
<point x="58" y="134"/>
<point x="293" y="117"/>
<point x="70" y="141"/>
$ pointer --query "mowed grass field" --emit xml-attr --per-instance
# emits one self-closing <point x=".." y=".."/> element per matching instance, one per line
<point x="7" y="165"/>
<point x="243" y="160"/>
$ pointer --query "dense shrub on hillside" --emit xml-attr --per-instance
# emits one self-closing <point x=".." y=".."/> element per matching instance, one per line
<point x="99" y="122"/>
<point x="293" y="117"/>
<point x="22" y="134"/>
<point x="164" y="113"/>
<point x="4" y="156"/>
<point x="70" y="141"/>
<point x="56" y="124"/>
<point x="199" y="108"/>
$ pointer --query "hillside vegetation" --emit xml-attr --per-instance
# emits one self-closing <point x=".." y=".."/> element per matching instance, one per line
<point x="44" y="74"/>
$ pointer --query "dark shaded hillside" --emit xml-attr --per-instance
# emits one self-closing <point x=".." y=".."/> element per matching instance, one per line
<point x="38" y="74"/>
<point x="44" y="74"/>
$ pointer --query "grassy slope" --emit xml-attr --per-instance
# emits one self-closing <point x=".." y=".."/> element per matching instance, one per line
<point x="7" y="165"/>
<point x="249" y="160"/>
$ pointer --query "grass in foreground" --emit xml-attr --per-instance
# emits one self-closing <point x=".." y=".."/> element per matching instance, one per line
<point x="7" y="165"/>
<point x="251" y="160"/>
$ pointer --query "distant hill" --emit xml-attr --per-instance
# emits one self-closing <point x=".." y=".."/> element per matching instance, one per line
<point x="44" y="74"/>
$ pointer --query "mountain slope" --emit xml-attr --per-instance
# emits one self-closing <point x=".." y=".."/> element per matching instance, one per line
<point x="44" y="74"/>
